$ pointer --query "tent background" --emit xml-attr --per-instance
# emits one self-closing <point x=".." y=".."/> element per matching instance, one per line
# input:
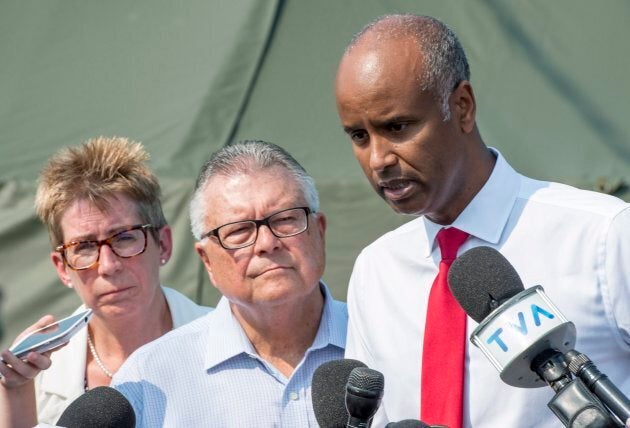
<point x="186" y="77"/>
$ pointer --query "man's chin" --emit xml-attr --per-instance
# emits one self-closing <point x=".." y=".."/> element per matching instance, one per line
<point x="404" y="206"/>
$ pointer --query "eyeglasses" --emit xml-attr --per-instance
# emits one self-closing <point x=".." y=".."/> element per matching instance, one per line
<point x="80" y="255"/>
<point x="240" y="234"/>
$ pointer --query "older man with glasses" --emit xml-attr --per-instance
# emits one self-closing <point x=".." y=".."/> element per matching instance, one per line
<point x="255" y="213"/>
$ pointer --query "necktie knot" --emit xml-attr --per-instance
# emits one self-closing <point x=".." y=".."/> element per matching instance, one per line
<point x="449" y="240"/>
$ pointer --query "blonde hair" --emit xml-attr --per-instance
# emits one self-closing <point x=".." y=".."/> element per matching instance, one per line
<point x="96" y="170"/>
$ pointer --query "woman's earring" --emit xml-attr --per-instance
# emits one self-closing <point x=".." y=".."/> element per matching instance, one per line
<point x="163" y="262"/>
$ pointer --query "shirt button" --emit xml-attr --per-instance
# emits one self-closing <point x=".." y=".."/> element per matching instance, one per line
<point x="294" y="396"/>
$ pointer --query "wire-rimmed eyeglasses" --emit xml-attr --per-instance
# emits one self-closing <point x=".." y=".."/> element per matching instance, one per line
<point x="282" y="224"/>
<point x="130" y="242"/>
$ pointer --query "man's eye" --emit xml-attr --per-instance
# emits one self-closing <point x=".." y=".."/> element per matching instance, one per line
<point x="285" y="219"/>
<point x="397" y="127"/>
<point x="235" y="230"/>
<point x="358" y="136"/>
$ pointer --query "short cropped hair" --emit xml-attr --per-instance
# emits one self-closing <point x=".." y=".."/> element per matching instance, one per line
<point x="445" y="62"/>
<point x="96" y="170"/>
<point x="243" y="158"/>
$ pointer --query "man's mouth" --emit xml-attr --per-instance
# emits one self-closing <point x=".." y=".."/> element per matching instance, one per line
<point x="271" y="270"/>
<point x="398" y="189"/>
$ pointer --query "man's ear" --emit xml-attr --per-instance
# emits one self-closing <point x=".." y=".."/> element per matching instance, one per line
<point x="322" y="223"/>
<point x="464" y="106"/>
<point x="201" y="251"/>
<point x="61" y="268"/>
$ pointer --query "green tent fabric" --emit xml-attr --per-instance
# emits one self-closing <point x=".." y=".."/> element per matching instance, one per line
<point x="172" y="75"/>
<point x="187" y="77"/>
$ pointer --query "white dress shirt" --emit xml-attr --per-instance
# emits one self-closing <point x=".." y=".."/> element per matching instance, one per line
<point x="574" y="243"/>
<point x="64" y="381"/>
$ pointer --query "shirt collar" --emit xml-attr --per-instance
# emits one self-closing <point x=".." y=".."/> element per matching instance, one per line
<point x="486" y="216"/>
<point x="332" y="327"/>
<point x="226" y="339"/>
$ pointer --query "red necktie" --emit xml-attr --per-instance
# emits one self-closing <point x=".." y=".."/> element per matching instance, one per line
<point x="444" y="347"/>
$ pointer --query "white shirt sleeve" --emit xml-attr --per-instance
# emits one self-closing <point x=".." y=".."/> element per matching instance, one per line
<point x="616" y="280"/>
<point x="356" y="347"/>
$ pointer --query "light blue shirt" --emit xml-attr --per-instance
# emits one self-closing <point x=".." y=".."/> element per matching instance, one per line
<point x="207" y="374"/>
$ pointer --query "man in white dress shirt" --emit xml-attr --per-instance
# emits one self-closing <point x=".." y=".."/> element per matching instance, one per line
<point x="405" y="99"/>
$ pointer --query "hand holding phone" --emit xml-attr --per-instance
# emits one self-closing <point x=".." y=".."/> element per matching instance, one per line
<point x="15" y="372"/>
<point x="51" y="336"/>
<point x="18" y="367"/>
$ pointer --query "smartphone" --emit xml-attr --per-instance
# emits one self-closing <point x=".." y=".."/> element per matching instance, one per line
<point x="52" y="336"/>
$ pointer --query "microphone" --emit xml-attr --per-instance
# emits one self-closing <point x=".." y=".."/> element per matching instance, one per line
<point x="101" y="407"/>
<point x="523" y="334"/>
<point x="407" y="423"/>
<point x="412" y="423"/>
<point x="328" y="392"/>
<point x="515" y="324"/>
<point x="581" y="366"/>
<point x="364" y="392"/>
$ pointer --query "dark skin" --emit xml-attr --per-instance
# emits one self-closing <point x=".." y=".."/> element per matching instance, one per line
<point x="416" y="161"/>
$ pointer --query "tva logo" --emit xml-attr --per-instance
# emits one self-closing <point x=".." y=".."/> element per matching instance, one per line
<point x="521" y="326"/>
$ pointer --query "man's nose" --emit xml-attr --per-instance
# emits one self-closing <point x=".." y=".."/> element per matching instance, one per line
<point x="266" y="241"/>
<point x="381" y="153"/>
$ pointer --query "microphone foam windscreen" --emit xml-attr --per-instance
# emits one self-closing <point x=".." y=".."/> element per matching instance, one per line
<point x="367" y="379"/>
<point x="481" y="279"/>
<point x="101" y="407"/>
<point x="407" y="423"/>
<point x="328" y="392"/>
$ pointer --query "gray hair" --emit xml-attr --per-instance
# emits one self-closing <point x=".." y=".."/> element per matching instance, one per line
<point x="445" y="63"/>
<point x="242" y="158"/>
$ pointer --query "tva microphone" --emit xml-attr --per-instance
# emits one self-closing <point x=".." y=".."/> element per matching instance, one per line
<point x="527" y="338"/>
<point x="101" y="407"/>
<point x="364" y="392"/>
<point x="328" y="392"/>
<point x="515" y="324"/>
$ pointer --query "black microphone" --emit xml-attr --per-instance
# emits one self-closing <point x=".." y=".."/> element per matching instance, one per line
<point x="407" y="423"/>
<point x="412" y="423"/>
<point x="101" y="407"/>
<point x="328" y="392"/>
<point x="364" y="392"/>
<point x="581" y="366"/>
<point x="522" y="333"/>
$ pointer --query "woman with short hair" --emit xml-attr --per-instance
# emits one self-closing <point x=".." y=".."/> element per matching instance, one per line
<point x="101" y="205"/>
